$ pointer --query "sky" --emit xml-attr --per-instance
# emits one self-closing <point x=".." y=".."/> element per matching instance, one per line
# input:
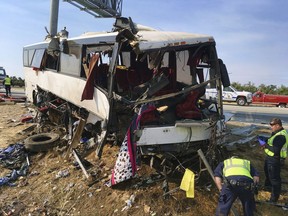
<point x="251" y="36"/>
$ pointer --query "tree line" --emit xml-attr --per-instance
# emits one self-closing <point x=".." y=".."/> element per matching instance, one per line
<point x="17" y="81"/>
<point x="267" y="89"/>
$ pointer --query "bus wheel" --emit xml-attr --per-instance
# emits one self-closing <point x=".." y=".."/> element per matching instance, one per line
<point x="41" y="142"/>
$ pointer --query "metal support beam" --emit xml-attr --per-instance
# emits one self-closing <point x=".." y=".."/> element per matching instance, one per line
<point x="54" y="17"/>
<point x="99" y="8"/>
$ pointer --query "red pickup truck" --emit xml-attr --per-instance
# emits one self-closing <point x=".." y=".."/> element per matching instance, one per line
<point x="270" y="99"/>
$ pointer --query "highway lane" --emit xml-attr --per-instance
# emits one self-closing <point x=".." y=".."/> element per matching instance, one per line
<point x="256" y="114"/>
<point x="16" y="92"/>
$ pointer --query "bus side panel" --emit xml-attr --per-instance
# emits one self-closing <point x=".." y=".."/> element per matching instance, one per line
<point x="68" y="88"/>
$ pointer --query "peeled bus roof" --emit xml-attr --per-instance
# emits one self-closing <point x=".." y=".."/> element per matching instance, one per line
<point x="158" y="39"/>
<point x="146" y="40"/>
<point x="152" y="39"/>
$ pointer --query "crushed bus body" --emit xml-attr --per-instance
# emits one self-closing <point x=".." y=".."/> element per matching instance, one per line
<point x="136" y="85"/>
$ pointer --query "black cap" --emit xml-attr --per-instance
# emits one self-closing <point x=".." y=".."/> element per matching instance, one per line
<point x="276" y="121"/>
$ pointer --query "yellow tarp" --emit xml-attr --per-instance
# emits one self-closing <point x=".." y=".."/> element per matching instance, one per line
<point x="187" y="183"/>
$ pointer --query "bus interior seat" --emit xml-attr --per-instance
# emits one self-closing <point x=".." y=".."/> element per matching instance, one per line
<point x="121" y="79"/>
<point x="189" y="108"/>
<point x="101" y="78"/>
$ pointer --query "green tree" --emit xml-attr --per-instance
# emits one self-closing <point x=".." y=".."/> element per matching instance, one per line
<point x="250" y="87"/>
<point x="283" y="90"/>
<point x="17" y="81"/>
<point x="267" y="89"/>
<point x="237" y="86"/>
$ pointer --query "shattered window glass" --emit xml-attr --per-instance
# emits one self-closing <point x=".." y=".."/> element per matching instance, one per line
<point x="70" y="63"/>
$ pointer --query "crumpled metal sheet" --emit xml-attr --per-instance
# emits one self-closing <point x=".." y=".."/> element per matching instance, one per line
<point x="244" y="131"/>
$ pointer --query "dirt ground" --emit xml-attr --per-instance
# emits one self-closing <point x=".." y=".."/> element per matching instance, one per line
<point x="55" y="186"/>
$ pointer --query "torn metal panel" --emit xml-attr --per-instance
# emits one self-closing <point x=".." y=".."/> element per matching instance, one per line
<point x="243" y="141"/>
<point x="180" y="133"/>
<point x="244" y="131"/>
<point x="228" y="116"/>
<point x="152" y="40"/>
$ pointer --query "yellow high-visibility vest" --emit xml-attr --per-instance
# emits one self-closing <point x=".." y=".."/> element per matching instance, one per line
<point x="7" y="81"/>
<point x="236" y="166"/>
<point x="283" y="152"/>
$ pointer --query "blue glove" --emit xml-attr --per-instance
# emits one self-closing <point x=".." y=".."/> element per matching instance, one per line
<point x="262" y="142"/>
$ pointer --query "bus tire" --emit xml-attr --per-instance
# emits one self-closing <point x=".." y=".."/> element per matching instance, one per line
<point x="41" y="142"/>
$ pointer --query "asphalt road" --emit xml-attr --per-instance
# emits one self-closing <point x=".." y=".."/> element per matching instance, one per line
<point x="256" y="114"/>
<point x="16" y="92"/>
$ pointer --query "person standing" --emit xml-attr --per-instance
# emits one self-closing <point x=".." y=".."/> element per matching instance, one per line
<point x="276" y="151"/>
<point x="7" y="82"/>
<point x="236" y="178"/>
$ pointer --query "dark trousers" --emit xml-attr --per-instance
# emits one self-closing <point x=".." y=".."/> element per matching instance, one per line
<point x="8" y="90"/>
<point x="229" y="194"/>
<point x="273" y="179"/>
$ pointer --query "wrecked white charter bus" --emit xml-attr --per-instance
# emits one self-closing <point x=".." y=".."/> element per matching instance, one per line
<point x="136" y="85"/>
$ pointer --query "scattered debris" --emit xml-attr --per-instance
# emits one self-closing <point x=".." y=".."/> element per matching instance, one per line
<point x="62" y="193"/>
<point x="11" y="99"/>
<point x="129" y="202"/>
<point x="30" y="128"/>
<point x="62" y="173"/>
<point x="80" y="163"/>
<point x="27" y="119"/>
<point x="13" y="156"/>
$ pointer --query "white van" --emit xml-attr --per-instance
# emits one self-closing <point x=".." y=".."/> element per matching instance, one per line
<point x="230" y="94"/>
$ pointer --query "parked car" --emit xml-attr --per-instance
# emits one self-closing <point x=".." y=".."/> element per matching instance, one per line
<point x="230" y="94"/>
<point x="2" y="76"/>
<point x="270" y="99"/>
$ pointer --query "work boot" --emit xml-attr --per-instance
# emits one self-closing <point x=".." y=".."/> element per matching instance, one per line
<point x="273" y="199"/>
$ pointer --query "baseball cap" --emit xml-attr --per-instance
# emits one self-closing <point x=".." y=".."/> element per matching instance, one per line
<point x="276" y="121"/>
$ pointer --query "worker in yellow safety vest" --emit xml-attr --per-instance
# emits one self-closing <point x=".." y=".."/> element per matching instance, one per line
<point x="276" y="152"/>
<point x="7" y="82"/>
<point x="234" y="178"/>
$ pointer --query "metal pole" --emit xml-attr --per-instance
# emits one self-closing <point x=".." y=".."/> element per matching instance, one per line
<point x="200" y="153"/>
<point x="54" y="17"/>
